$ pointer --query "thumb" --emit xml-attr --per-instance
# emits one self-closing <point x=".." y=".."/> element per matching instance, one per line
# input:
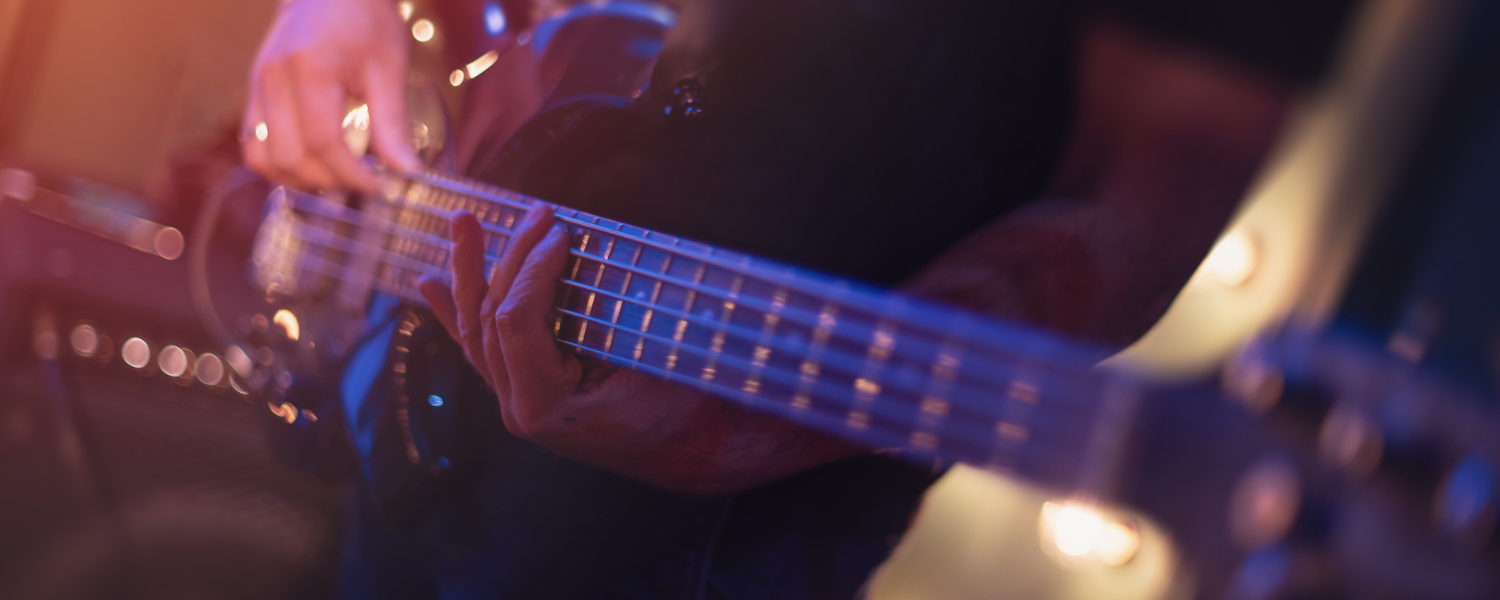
<point x="390" y="124"/>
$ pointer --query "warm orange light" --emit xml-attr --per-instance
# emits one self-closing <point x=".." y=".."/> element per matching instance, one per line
<point x="210" y="369"/>
<point x="358" y="118"/>
<point x="482" y="63"/>
<point x="168" y="243"/>
<point x="136" y="352"/>
<point x="1234" y="259"/>
<point x="1078" y="530"/>
<point x="423" y="30"/>
<point x="1264" y="503"/>
<point x="85" y="340"/>
<point x="288" y="322"/>
<point x="406" y="9"/>
<point x="1075" y="529"/>
<point x="286" y="410"/>
<point x="173" y="361"/>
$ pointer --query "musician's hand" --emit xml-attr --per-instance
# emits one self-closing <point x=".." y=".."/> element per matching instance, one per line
<point x="318" y="55"/>
<point x="591" y="410"/>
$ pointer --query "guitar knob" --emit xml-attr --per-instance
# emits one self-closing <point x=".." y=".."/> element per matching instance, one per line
<point x="1265" y="503"/>
<point x="1410" y="454"/>
<point x="1259" y="383"/>
<point x="1253" y="381"/>
<point x="1263" y="575"/>
<point x="1466" y="503"/>
<point x="1350" y="441"/>
<point x="1288" y="572"/>
<point x="687" y="100"/>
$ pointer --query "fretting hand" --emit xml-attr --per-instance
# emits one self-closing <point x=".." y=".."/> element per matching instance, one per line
<point x="591" y="410"/>
<point x="318" y="56"/>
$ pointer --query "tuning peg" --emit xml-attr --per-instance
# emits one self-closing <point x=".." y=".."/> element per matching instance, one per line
<point x="1253" y="380"/>
<point x="1288" y="572"/>
<point x="1263" y="575"/>
<point x="1266" y="386"/>
<point x="1265" y="503"/>
<point x="1410" y="453"/>
<point x="1466" y="503"/>
<point x="1350" y="441"/>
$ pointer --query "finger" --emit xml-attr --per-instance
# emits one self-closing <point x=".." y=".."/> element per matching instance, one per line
<point x="494" y="357"/>
<point x="321" y="101"/>
<point x="289" y="160"/>
<point x="525" y="237"/>
<point x="469" y="286"/>
<point x="440" y="298"/>
<point x="390" y="124"/>
<point x="539" y="371"/>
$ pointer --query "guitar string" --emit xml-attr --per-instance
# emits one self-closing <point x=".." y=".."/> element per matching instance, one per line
<point x="975" y="447"/>
<point x="357" y="219"/>
<point x="984" y="417"/>
<point x="767" y="272"/>
<point x="847" y="363"/>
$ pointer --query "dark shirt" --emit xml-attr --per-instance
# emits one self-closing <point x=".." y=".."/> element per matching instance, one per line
<point x="864" y="137"/>
<point x="857" y="137"/>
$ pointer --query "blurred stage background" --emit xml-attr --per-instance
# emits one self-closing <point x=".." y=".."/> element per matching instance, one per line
<point x="118" y="92"/>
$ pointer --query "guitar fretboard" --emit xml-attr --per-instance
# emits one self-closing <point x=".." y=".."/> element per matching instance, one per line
<point x="879" y="368"/>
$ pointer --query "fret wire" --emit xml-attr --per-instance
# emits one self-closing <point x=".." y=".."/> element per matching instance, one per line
<point x="407" y="293"/>
<point x="770" y="319"/>
<point x="765" y="336"/>
<point x="812" y="362"/>
<point x="672" y="253"/>
<point x="682" y="324"/>
<point x="640" y="344"/>
<point x="867" y="386"/>
<point x="609" y="250"/>
<point x="331" y="271"/>
<point x="522" y="202"/>
<point x="364" y="219"/>
<point x="710" y="370"/>
<point x="822" y="389"/>
<point x="756" y="305"/>
<point x="829" y="423"/>
<point x="935" y="405"/>
<point x="681" y="328"/>
<point x="877" y="437"/>
<point x="624" y="290"/>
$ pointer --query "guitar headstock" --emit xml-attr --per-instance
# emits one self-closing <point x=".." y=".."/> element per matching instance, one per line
<point x="1325" y="469"/>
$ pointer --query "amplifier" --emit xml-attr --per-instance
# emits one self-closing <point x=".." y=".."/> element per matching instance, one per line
<point x="138" y="468"/>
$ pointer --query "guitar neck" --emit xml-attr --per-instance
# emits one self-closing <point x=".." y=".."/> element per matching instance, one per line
<point x="878" y="368"/>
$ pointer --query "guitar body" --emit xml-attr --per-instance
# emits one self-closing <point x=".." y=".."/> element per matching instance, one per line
<point x="925" y="382"/>
<point x="441" y="471"/>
